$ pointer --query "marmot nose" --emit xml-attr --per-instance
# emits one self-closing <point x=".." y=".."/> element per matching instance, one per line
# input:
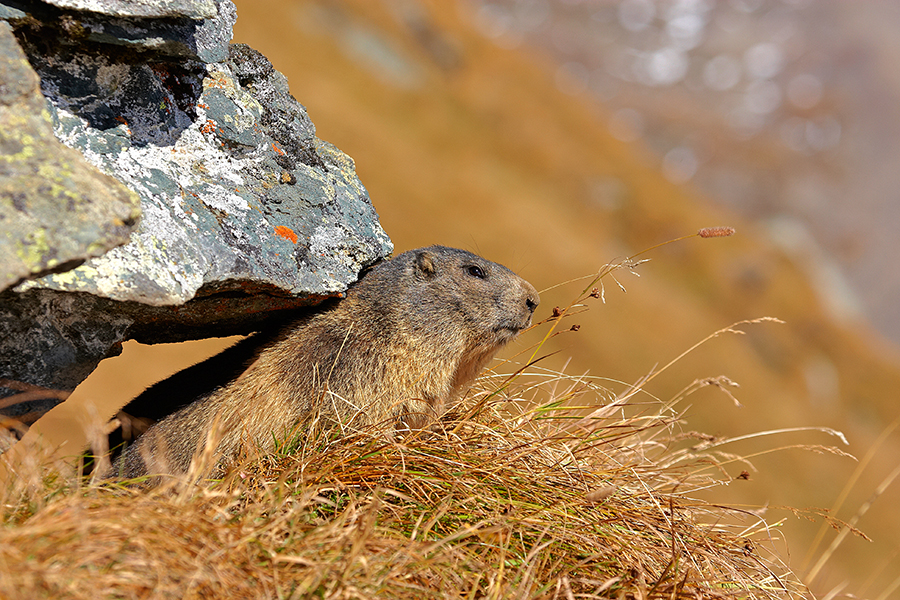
<point x="531" y="298"/>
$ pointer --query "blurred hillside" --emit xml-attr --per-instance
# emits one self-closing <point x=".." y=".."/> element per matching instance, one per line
<point x="787" y="111"/>
<point x="464" y="142"/>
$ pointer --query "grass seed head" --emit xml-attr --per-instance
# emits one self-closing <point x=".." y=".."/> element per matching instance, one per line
<point x="711" y="232"/>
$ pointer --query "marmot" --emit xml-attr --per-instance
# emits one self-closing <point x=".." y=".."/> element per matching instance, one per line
<point x="399" y="350"/>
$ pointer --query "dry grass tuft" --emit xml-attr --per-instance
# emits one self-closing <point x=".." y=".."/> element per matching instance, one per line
<point x="517" y="495"/>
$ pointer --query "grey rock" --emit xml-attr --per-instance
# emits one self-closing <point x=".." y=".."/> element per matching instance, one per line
<point x="55" y="208"/>
<point x="231" y="192"/>
<point x="246" y="215"/>
<point x="191" y="9"/>
<point x="172" y="30"/>
<point x="11" y="13"/>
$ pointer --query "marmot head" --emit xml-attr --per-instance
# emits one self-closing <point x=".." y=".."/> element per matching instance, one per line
<point x="457" y="298"/>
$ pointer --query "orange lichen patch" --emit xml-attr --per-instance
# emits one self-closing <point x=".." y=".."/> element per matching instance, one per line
<point x="287" y="233"/>
<point x="276" y="148"/>
<point x="208" y="127"/>
<point x="215" y="80"/>
<point x="124" y="122"/>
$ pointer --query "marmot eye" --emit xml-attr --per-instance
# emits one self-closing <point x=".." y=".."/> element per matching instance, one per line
<point x="476" y="271"/>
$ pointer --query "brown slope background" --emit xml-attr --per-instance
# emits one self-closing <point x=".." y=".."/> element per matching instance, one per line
<point x="467" y="144"/>
<point x="464" y="143"/>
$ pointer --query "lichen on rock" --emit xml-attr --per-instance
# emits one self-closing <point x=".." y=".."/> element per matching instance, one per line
<point x="55" y="208"/>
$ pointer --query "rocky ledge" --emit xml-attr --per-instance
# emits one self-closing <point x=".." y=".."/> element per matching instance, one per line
<point x="189" y="196"/>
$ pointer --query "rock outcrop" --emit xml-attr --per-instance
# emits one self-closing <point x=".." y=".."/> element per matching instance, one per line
<point x="244" y="212"/>
<point x="55" y="208"/>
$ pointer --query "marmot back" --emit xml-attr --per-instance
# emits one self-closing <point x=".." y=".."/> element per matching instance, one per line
<point x="398" y="351"/>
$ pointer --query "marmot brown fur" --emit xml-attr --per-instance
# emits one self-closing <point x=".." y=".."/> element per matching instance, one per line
<point x="398" y="351"/>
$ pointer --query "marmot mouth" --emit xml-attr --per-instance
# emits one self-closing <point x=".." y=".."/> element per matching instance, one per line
<point x="511" y="330"/>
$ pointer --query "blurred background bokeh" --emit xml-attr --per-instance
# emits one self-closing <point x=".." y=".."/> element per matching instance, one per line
<point x="557" y="135"/>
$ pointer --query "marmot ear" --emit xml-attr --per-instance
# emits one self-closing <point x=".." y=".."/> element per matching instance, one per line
<point x="425" y="263"/>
